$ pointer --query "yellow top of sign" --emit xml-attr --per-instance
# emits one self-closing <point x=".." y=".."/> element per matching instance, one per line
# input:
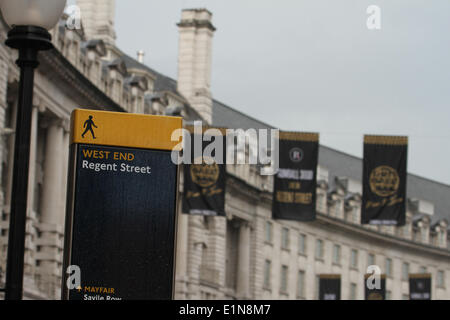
<point x="124" y="129"/>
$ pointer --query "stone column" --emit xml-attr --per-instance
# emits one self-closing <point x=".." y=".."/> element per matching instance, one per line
<point x="3" y="137"/>
<point x="182" y="254"/>
<point x="10" y="138"/>
<point x="3" y="146"/>
<point x="31" y="215"/>
<point x="196" y="247"/>
<point x="217" y="253"/>
<point x="243" y="267"/>
<point x="32" y="167"/>
<point x="51" y="194"/>
<point x="64" y="173"/>
<point x="49" y="256"/>
<point x="10" y="145"/>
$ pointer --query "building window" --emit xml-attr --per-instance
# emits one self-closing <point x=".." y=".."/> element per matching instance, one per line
<point x="442" y="238"/>
<point x="336" y="254"/>
<point x="268" y="232"/>
<point x="388" y="295"/>
<point x="301" y="284"/>
<point x="302" y="244"/>
<point x="355" y="215"/>
<point x="285" y="238"/>
<point x="424" y="235"/>
<point x="405" y="230"/>
<point x="320" y="202"/>
<point x="319" y="249"/>
<point x="388" y="267"/>
<point x="317" y="287"/>
<point x="423" y="270"/>
<point x="405" y="271"/>
<point x="267" y="271"/>
<point x="284" y="279"/>
<point x="371" y="259"/>
<point x="337" y="208"/>
<point x="405" y="297"/>
<point x="440" y="279"/>
<point x="353" y="291"/>
<point x="354" y="259"/>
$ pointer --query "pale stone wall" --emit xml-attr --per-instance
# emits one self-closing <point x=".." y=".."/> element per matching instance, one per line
<point x="194" y="60"/>
<point x="338" y="224"/>
<point x="331" y="235"/>
<point x="4" y="141"/>
<point x="98" y="19"/>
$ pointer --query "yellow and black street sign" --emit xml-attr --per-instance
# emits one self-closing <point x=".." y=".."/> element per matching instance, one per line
<point x="121" y="208"/>
<point x="124" y="129"/>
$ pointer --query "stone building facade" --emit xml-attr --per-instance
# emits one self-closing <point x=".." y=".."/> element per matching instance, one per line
<point x="245" y="255"/>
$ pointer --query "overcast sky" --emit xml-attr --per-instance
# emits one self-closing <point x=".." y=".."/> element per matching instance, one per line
<point x="312" y="65"/>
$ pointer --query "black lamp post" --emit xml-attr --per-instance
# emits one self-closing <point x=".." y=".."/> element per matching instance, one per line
<point x="30" y="21"/>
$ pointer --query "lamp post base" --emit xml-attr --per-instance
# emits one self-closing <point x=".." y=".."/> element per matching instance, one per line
<point x="28" y="40"/>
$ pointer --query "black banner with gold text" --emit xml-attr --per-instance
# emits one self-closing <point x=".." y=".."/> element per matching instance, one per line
<point x="204" y="183"/>
<point x="384" y="180"/>
<point x="294" y="194"/>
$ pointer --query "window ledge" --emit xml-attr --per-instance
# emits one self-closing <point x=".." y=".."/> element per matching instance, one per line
<point x="337" y="264"/>
<point x="319" y="259"/>
<point x="265" y="288"/>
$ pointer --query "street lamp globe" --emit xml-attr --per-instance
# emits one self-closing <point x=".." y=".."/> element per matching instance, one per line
<point x="38" y="13"/>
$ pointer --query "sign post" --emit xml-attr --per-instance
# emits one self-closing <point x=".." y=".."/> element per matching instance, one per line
<point x="121" y="209"/>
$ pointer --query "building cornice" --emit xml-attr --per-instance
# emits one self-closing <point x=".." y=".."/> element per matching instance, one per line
<point x="382" y="237"/>
<point x="244" y="189"/>
<point x="197" y="24"/>
<point x="257" y="195"/>
<point x="55" y="63"/>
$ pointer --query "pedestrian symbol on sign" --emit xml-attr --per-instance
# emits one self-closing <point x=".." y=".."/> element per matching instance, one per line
<point x="88" y="125"/>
